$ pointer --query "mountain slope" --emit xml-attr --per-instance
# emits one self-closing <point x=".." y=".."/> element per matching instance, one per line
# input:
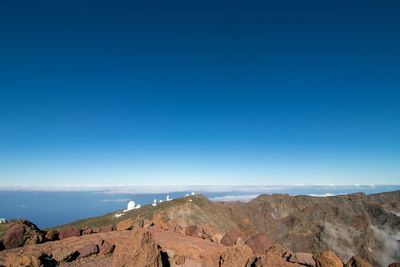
<point x="355" y="224"/>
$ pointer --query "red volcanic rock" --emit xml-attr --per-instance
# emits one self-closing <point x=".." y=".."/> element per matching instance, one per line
<point x="236" y="256"/>
<point x="105" y="229"/>
<point x="51" y="235"/>
<point x="106" y="248"/>
<point x="88" y="250"/>
<point x="259" y="243"/>
<point x="357" y="261"/>
<point x="21" y="233"/>
<point x="328" y="259"/>
<point x="70" y="232"/>
<point x="302" y="258"/>
<point x="87" y="231"/>
<point x="192" y="230"/>
<point x="394" y="264"/>
<point x="14" y="236"/>
<point x="139" y="250"/>
<point x="276" y="256"/>
<point x="229" y="239"/>
<point x="190" y="251"/>
<point x="64" y="253"/>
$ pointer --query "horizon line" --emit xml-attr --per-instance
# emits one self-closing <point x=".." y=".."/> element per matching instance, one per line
<point x="151" y="188"/>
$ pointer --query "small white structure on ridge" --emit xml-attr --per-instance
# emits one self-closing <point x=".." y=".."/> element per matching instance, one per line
<point x="132" y="206"/>
<point x="160" y="201"/>
<point x="118" y="214"/>
<point x="3" y="220"/>
<point x="168" y="198"/>
<point x="193" y="194"/>
<point x="187" y="195"/>
<point x="154" y="203"/>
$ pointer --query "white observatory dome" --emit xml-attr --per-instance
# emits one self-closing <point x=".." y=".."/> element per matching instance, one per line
<point x="131" y="205"/>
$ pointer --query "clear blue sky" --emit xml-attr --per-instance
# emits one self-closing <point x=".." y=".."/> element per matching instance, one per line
<point x="198" y="92"/>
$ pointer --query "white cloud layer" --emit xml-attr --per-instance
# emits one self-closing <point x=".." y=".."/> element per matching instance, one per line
<point x="240" y="198"/>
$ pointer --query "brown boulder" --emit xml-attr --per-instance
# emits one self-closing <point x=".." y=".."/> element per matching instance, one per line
<point x="190" y="250"/>
<point x="87" y="231"/>
<point x="276" y="256"/>
<point x="235" y="256"/>
<point x="14" y="236"/>
<point x="21" y="233"/>
<point x="105" y="229"/>
<point x="125" y="225"/>
<point x="302" y="258"/>
<point x="229" y="239"/>
<point x="106" y="248"/>
<point x="357" y="261"/>
<point x="88" y="250"/>
<point x="192" y="230"/>
<point x="140" y="250"/>
<point x="259" y="243"/>
<point x="328" y="259"/>
<point x="51" y="235"/>
<point x="69" y="232"/>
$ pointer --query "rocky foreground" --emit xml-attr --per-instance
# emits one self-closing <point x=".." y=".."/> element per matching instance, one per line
<point x="150" y="245"/>
<point x="277" y="230"/>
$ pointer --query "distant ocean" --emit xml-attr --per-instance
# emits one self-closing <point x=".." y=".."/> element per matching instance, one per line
<point x="48" y="207"/>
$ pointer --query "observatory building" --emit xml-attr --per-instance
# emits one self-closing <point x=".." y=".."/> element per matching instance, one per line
<point x="132" y="206"/>
<point x="3" y="220"/>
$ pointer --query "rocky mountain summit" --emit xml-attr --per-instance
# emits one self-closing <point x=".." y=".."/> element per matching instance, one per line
<point x="271" y="230"/>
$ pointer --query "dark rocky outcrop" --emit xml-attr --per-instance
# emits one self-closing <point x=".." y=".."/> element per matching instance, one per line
<point x="87" y="231"/>
<point x="106" y="248"/>
<point x="192" y="230"/>
<point x="230" y="238"/>
<point x="88" y="250"/>
<point x="259" y="243"/>
<point x="20" y="233"/>
<point x="52" y="235"/>
<point x="69" y="232"/>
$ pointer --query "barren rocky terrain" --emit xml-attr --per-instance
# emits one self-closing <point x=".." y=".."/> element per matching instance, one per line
<point x="271" y="230"/>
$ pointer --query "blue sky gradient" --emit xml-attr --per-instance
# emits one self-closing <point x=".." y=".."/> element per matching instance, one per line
<point x="197" y="92"/>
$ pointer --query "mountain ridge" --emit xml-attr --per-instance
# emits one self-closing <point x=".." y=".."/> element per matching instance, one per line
<point x="348" y="225"/>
